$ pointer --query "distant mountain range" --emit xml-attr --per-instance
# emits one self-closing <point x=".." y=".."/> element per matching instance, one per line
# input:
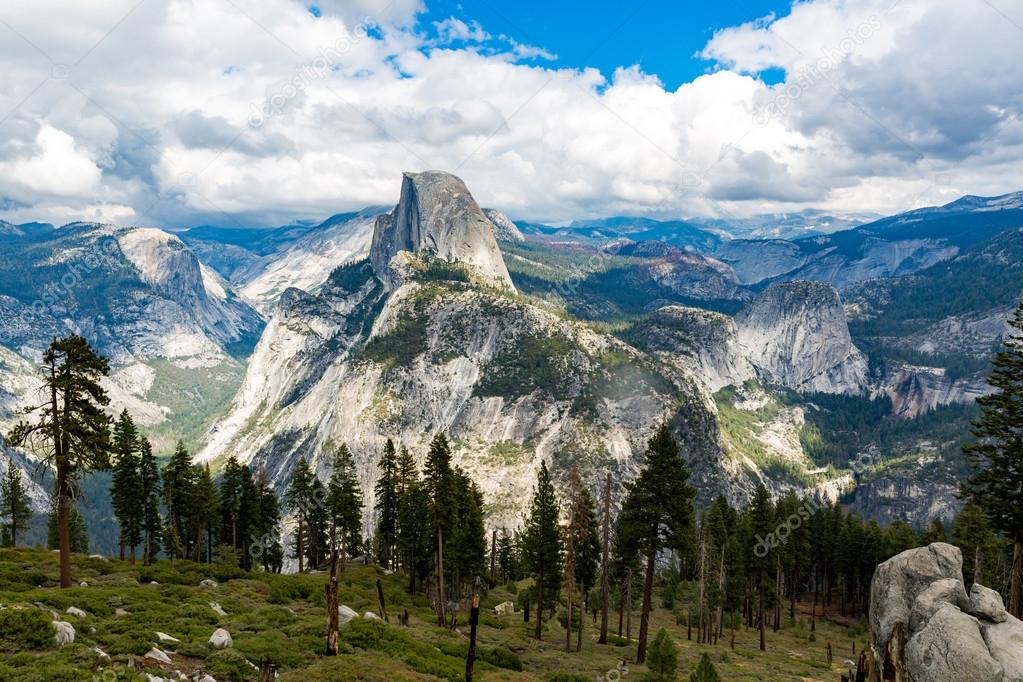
<point x="790" y="360"/>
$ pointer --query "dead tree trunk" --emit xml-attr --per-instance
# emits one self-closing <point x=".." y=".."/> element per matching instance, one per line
<point x="332" y="606"/>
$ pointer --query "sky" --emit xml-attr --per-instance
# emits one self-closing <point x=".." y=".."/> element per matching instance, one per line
<point x="184" y="112"/>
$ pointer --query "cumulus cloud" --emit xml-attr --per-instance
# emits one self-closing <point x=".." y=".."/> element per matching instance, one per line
<point x="193" y="111"/>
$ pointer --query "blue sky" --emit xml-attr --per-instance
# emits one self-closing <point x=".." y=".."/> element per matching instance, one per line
<point x="663" y="37"/>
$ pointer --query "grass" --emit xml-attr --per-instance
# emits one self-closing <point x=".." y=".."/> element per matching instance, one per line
<point x="281" y="618"/>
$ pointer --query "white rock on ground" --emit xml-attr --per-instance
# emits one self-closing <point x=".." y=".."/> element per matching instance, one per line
<point x="216" y="607"/>
<point x="164" y="637"/>
<point x="158" y="655"/>
<point x="206" y="582"/>
<point x="221" y="639"/>
<point x="206" y="678"/>
<point x="371" y="616"/>
<point x="346" y="614"/>
<point x="65" y="632"/>
<point x="76" y="612"/>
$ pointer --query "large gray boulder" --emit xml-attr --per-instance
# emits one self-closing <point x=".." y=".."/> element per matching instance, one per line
<point x="937" y="594"/>
<point x="65" y="632"/>
<point x="900" y="580"/>
<point x="987" y="604"/>
<point x="437" y="215"/>
<point x="1005" y="642"/>
<point x="950" y="648"/>
<point x="345" y="614"/>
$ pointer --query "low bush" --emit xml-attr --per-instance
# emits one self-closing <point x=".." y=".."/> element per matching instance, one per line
<point x="22" y="629"/>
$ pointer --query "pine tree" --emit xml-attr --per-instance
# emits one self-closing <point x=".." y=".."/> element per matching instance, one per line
<point x="407" y="471"/>
<point x="126" y="486"/>
<point x="704" y="671"/>
<point x="78" y="532"/>
<point x="997" y="456"/>
<point x="72" y="430"/>
<point x="205" y="514"/>
<point x="388" y="492"/>
<point x="971" y="532"/>
<point x="266" y="547"/>
<point x="344" y="505"/>
<point x="323" y="527"/>
<point x="249" y="521"/>
<point x="415" y="534"/>
<point x="582" y="538"/>
<point x="658" y="513"/>
<point x="14" y="504"/>
<point x="179" y="479"/>
<point x="542" y="550"/>
<point x="506" y="559"/>
<point x="468" y="541"/>
<point x="663" y="659"/>
<point x="439" y="482"/>
<point x="149" y="481"/>
<point x="229" y="500"/>
<point x="297" y="500"/>
<point x="934" y="532"/>
<point x="762" y="561"/>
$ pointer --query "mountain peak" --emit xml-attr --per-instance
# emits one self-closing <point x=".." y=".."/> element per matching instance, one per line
<point x="437" y="215"/>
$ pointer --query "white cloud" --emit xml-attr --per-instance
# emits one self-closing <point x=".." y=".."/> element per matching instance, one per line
<point x="202" y="110"/>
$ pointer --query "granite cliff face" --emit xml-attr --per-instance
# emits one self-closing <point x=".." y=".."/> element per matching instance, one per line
<point x="436" y="214"/>
<point x="797" y="335"/>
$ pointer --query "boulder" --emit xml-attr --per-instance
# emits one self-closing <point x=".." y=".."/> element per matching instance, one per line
<point x="164" y="637"/>
<point x="898" y="581"/>
<point x="345" y="614"/>
<point x="157" y="655"/>
<point x="950" y="648"/>
<point x="76" y="612"/>
<point x="83" y="584"/>
<point x="120" y="611"/>
<point x="206" y="678"/>
<point x="369" y="615"/>
<point x="1005" y="642"/>
<point x="206" y="582"/>
<point x="65" y="632"/>
<point x="506" y="608"/>
<point x="221" y="639"/>
<point x="100" y="652"/>
<point x="217" y="609"/>
<point x="986" y="604"/>
<point x="936" y="595"/>
<point x="98" y="556"/>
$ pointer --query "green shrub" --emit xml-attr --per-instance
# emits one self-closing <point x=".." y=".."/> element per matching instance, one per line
<point x="704" y="671"/>
<point x="229" y="665"/>
<point x="562" y="676"/>
<point x="22" y="629"/>
<point x="133" y="643"/>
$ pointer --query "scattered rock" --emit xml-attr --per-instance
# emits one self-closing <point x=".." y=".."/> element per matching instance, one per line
<point x="153" y="582"/>
<point x="221" y="639"/>
<point x="216" y="607"/>
<point x="65" y="632"/>
<point x="370" y="616"/>
<point x="206" y="678"/>
<point x="506" y="608"/>
<point x="120" y="612"/>
<point x="98" y="556"/>
<point x="76" y="612"/>
<point x="164" y="637"/>
<point x="154" y="678"/>
<point x="206" y="582"/>
<point x="83" y="584"/>
<point x="345" y="614"/>
<point x="158" y="655"/>
<point x="986" y="604"/>
<point x="100" y="652"/>
<point x="388" y="571"/>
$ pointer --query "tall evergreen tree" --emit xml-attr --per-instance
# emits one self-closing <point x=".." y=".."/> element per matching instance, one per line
<point x="326" y="531"/>
<point x="415" y="534"/>
<point x="388" y="492"/>
<point x="78" y="532"/>
<point x="205" y="514"/>
<point x="439" y="482"/>
<point x="149" y="489"/>
<point x="72" y="431"/>
<point x="407" y="471"/>
<point x="582" y="537"/>
<point x="179" y="479"/>
<point x="344" y="505"/>
<point x="506" y="558"/>
<point x="14" y="504"/>
<point x="268" y="534"/>
<point x="468" y="540"/>
<point x="971" y="532"/>
<point x="658" y="513"/>
<point x="762" y="561"/>
<point x="126" y="486"/>
<point x="229" y="500"/>
<point x="297" y="499"/>
<point x="541" y="546"/>
<point x="997" y="455"/>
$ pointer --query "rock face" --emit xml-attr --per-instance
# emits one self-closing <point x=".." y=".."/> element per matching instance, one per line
<point x="504" y="229"/>
<point x="796" y="333"/>
<point x="923" y="623"/>
<point x="436" y="214"/>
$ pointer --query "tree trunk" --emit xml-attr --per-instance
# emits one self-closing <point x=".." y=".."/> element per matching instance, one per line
<point x="493" y="557"/>
<point x="978" y="563"/>
<point x="760" y="612"/>
<point x="621" y="612"/>
<point x="539" y="604"/>
<point x="474" y="618"/>
<point x="604" y="588"/>
<point x="301" y="550"/>
<point x="721" y="595"/>
<point x="813" y="609"/>
<point x="644" y="618"/>
<point x="332" y="606"/>
<point x="1016" y="578"/>
<point x="700" y="627"/>
<point x="568" y="621"/>
<point x="628" y="604"/>
<point x="579" y="632"/>
<point x="441" y="603"/>
<point x="380" y="598"/>
<point x="64" y="521"/>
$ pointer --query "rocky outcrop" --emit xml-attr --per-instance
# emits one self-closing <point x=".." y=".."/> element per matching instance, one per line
<point x="915" y="390"/>
<point x="504" y="229"/>
<point x="925" y="627"/>
<point x="797" y="335"/>
<point x="437" y="215"/>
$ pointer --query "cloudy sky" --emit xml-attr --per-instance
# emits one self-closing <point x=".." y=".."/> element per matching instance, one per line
<point x="256" y="112"/>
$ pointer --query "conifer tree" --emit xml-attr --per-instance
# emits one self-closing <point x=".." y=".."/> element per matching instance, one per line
<point x="506" y="560"/>
<point x="704" y="671"/>
<point x="14" y="504"/>
<point x="415" y="534"/>
<point x="582" y="537"/>
<point x="323" y="528"/>
<point x="344" y="505"/>
<point x="179" y="479"/>
<point x="149" y="482"/>
<point x="658" y="513"/>
<point x="388" y="491"/>
<point x="762" y="561"/>
<point x="229" y="501"/>
<point x="72" y="431"/>
<point x="439" y="482"/>
<point x="934" y="532"/>
<point x="267" y="535"/>
<point x="78" y="532"/>
<point x="469" y="541"/>
<point x="971" y="532"/>
<point x="126" y="486"/>
<point x="205" y="513"/>
<point x="997" y="456"/>
<point x="542" y="549"/>
<point x="297" y="499"/>
<point x="407" y="471"/>
<point x="663" y="661"/>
